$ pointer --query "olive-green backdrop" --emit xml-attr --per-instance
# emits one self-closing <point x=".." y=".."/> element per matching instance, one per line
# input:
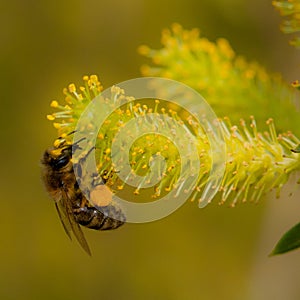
<point x="214" y="253"/>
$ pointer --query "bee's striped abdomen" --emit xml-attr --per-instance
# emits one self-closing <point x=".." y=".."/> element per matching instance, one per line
<point x="92" y="218"/>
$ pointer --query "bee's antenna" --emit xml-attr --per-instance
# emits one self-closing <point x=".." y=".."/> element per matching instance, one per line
<point x="90" y="151"/>
<point x="70" y="133"/>
<point x="80" y="140"/>
<point x="75" y="145"/>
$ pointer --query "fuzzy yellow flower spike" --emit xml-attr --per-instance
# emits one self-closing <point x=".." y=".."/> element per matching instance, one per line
<point x="231" y="85"/>
<point x="291" y="10"/>
<point x="255" y="164"/>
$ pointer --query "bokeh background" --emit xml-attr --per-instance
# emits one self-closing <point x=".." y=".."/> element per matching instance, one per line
<point x="214" y="253"/>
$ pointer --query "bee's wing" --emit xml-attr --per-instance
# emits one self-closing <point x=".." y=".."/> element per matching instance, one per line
<point x="69" y="223"/>
<point x="62" y="217"/>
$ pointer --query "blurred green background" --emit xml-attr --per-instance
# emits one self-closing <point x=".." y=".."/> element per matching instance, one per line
<point x="214" y="253"/>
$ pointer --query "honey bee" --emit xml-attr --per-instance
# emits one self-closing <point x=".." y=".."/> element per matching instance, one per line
<point x="72" y="206"/>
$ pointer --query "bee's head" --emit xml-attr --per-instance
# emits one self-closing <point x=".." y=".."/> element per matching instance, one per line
<point x="58" y="156"/>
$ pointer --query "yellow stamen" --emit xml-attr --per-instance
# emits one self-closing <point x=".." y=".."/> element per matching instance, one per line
<point x="72" y="88"/>
<point x="54" y="104"/>
<point x="50" y="117"/>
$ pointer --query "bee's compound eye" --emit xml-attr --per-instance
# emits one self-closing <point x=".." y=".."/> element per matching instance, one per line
<point x="61" y="162"/>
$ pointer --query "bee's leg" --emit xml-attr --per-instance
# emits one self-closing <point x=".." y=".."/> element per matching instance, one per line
<point x="83" y="203"/>
<point x="76" y="146"/>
